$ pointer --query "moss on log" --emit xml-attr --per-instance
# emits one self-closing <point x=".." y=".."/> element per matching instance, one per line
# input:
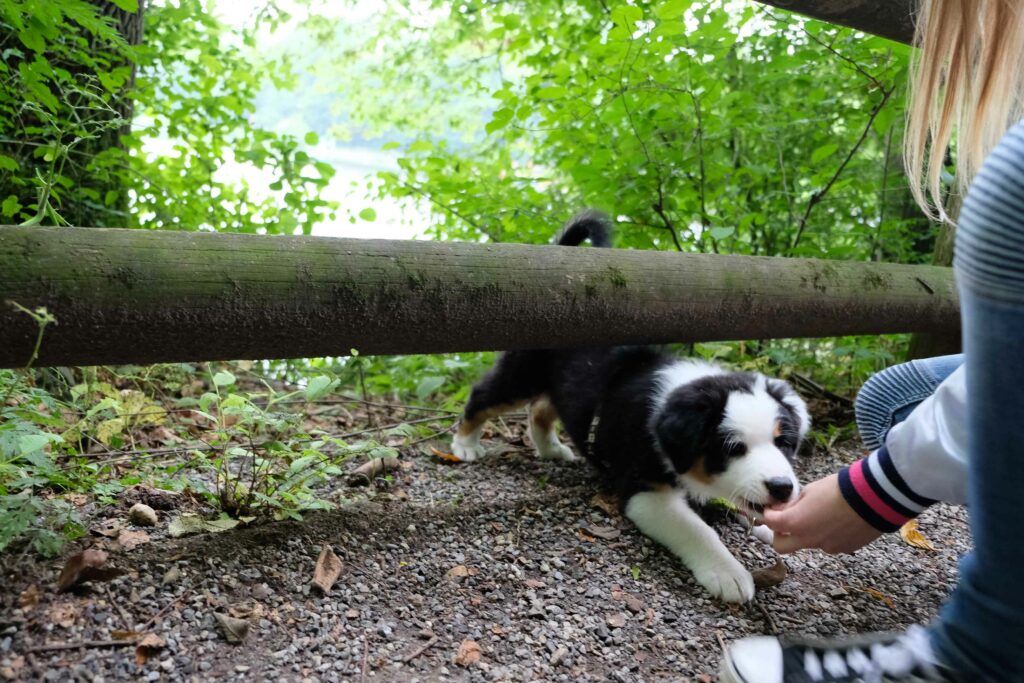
<point x="137" y="296"/>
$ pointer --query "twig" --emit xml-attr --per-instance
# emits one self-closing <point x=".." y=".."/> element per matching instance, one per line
<point x="128" y="622"/>
<point x="768" y="616"/>
<point x="420" y="650"/>
<point x="82" y="644"/>
<point x="721" y="641"/>
<point x="817" y="196"/>
<point x="366" y="650"/>
<point x="165" y="610"/>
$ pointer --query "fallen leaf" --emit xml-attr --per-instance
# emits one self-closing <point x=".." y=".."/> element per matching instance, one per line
<point x="468" y="654"/>
<point x="617" y="620"/>
<point x="327" y="570"/>
<point x="534" y="583"/>
<point x="912" y="536"/>
<point x="83" y="567"/>
<point x="873" y="592"/>
<point x="608" y="503"/>
<point x="171" y="575"/>
<point x="147" y="647"/>
<point x="497" y="630"/>
<point x="766" y="577"/>
<point x="235" y="630"/>
<point x="445" y="456"/>
<point x="352" y="613"/>
<point x="608" y="533"/>
<point x="29" y="598"/>
<point x="460" y="571"/>
<point x="110" y="529"/>
<point x="129" y="539"/>
<point x="63" y="614"/>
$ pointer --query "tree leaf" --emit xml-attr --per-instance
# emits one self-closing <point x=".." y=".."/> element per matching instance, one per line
<point x="223" y="378"/>
<point x="824" y="152"/>
<point x="428" y="385"/>
<point x="319" y="386"/>
<point x="127" y="5"/>
<point x="311" y="138"/>
<point x="368" y="214"/>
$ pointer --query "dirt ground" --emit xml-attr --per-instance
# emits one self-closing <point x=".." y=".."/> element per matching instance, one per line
<point x="509" y="555"/>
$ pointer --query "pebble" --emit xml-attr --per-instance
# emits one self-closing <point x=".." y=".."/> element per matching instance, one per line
<point x="142" y="515"/>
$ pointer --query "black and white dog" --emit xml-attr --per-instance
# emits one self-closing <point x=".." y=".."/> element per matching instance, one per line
<point x="662" y="431"/>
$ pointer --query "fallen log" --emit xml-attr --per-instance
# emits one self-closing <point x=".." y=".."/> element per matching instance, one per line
<point x="138" y="296"/>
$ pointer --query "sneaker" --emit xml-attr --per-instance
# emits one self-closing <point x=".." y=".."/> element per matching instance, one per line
<point x="877" y="658"/>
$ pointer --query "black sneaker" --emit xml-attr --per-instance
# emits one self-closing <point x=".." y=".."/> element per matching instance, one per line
<point x="877" y="658"/>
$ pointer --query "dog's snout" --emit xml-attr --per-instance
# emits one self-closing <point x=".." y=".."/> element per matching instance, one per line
<point x="779" y="488"/>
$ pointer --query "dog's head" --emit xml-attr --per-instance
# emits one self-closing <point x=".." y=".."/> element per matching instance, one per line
<point x="732" y="436"/>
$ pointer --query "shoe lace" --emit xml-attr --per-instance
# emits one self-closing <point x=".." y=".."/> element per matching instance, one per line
<point x="907" y="658"/>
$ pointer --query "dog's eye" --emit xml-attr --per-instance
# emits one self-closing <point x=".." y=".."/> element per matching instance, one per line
<point x="735" y="449"/>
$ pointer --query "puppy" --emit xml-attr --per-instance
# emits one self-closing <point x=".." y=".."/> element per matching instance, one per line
<point x="661" y="431"/>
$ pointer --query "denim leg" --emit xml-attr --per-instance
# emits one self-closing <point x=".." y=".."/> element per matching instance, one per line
<point x="889" y="396"/>
<point x="980" y="632"/>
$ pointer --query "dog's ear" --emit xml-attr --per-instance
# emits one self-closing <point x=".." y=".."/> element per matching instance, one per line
<point x="685" y="424"/>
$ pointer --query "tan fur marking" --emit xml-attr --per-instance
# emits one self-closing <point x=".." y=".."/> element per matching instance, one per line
<point x="543" y="414"/>
<point x="662" y="488"/>
<point x="699" y="473"/>
<point x="777" y="432"/>
<point x="468" y="426"/>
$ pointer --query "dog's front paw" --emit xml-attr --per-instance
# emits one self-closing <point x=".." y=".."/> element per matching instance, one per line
<point x="557" y="451"/>
<point x="467" y="449"/>
<point x="729" y="582"/>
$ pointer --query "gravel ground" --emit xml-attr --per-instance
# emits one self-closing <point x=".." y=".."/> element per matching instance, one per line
<point x="491" y="552"/>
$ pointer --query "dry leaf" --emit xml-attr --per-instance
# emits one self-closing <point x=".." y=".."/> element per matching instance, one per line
<point x="608" y="503"/>
<point x="912" y="536"/>
<point x="327" y="571"/>
<point x="129" y="539"/>
<point x="608" y="533"/>
<point x="85" y="566"/>
<point x="497" y="630"/>
<point x="460" y="571"/>
<point x="111" y="528"/>
<point x="147" y="647"/>
<point x="534" y="583"/>
<point x="468" y="654"/>
<point x="235" y="630"/>
<point x="121" y="634"/>
<point x="766" y="577"/>
<point x="63" y="614"/>
<point x="449" y="457"/>
<point x="875" y="593"/>
<point x="29" y="598"/>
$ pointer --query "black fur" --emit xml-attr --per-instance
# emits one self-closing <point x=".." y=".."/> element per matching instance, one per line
<point x="589" y="224"/>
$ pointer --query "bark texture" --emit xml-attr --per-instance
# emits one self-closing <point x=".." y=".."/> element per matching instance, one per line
<point x="892" y="19"/>
<point x="135" y="296"/>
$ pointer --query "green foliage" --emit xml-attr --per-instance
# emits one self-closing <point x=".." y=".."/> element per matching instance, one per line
<point x="70" y="84"/>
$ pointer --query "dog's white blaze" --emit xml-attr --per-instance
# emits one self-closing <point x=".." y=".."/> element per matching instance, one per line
<point x="681" y="372"/>
<point x="666" y="517"/>
<point x="751" y="418"/>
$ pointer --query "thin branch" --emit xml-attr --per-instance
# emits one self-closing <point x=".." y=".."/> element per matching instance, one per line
<point x="820" y="194"/>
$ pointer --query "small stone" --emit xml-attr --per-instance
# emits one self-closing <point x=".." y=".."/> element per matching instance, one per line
<point x="557" y="656"/>
<point x="617" y="620"/>
<point x="142" y="515"/>
<point x="172" y="575"/>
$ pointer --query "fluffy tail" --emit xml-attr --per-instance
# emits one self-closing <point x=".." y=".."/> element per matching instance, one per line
<point x="589" y="224"/>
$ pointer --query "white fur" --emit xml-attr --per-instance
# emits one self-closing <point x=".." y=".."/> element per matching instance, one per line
<point x="547" y="444"/>
<point x="681" y="372"/>
<point x="666" y="517"/>
<point x="793" y="400"/>
<point x="468" y="448"/>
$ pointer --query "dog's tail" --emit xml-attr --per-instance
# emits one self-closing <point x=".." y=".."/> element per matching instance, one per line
<point x="589" y="224"/>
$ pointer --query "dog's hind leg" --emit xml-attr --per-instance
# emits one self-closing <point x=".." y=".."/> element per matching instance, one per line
<point x="542" y="431"/>
<point x="511" y="384"/>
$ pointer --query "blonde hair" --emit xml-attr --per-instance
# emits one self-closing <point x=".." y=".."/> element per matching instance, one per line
<point x="967" y="80"/>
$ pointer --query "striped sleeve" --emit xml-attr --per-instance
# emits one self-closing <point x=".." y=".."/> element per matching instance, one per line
<point x="877" y="492"/>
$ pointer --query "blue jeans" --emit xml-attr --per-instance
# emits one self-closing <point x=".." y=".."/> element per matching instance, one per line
<point x="889" y="396"/>
<point x="980" y="631"/>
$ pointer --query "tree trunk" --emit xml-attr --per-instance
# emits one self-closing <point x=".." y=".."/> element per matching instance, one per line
<point x="892" y="19"/>
<point x="137" y="296"/>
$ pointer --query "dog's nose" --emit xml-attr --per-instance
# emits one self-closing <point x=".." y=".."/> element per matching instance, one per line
<point x="779" y="488"/>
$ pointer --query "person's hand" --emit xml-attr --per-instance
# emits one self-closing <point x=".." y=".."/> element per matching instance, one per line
<point x="820" y="518"/>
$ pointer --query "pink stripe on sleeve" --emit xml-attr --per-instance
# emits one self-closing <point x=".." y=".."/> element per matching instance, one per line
<point x="866" y="494"/>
